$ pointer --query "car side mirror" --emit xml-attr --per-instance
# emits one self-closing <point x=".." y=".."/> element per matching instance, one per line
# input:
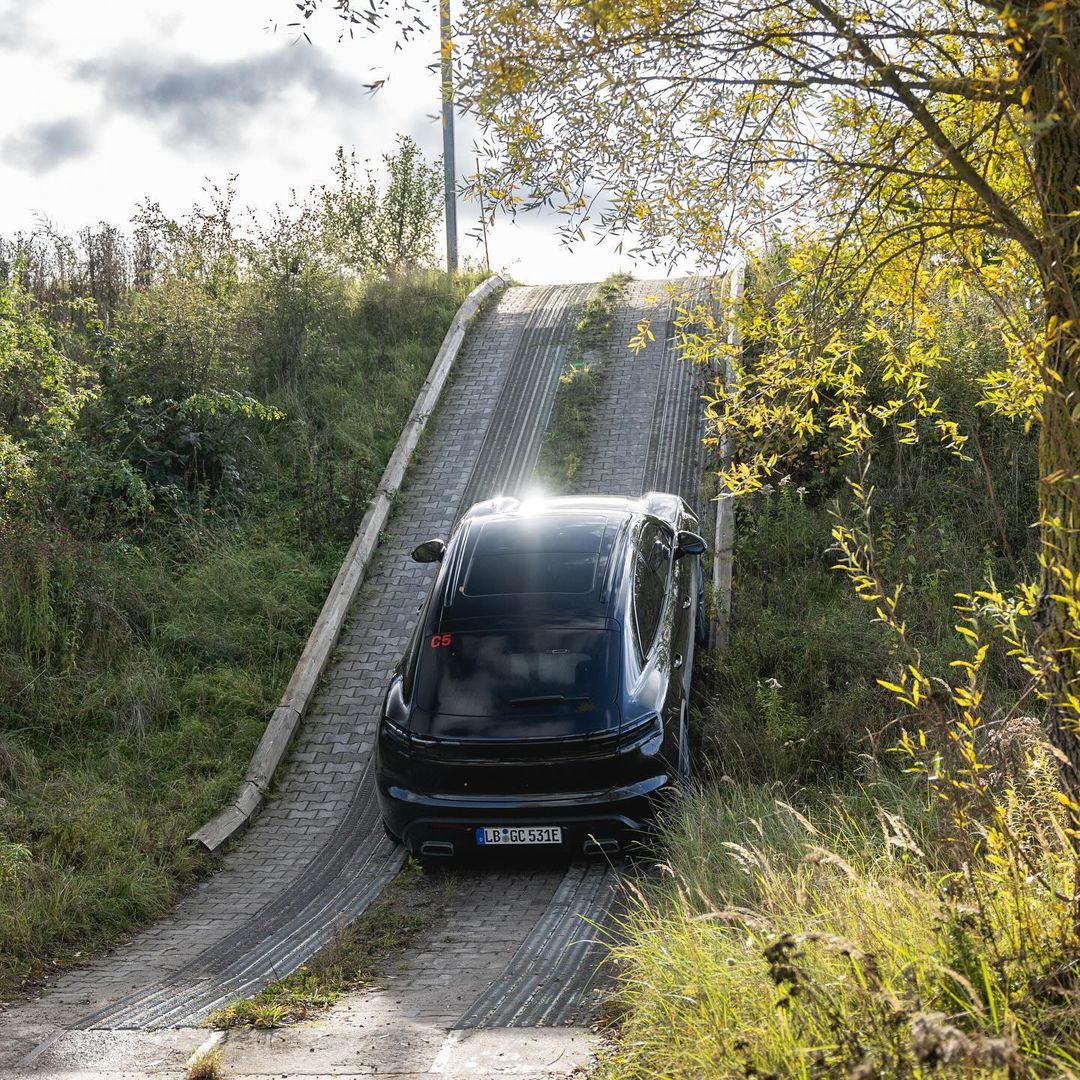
<point x="688" y="543"/>
<point x="429" y="551"/>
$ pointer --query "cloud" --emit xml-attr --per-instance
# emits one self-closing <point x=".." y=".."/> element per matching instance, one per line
<point x="14" y="28"/>
<point x="43" y="146"/>
<point x="209" y="103"/>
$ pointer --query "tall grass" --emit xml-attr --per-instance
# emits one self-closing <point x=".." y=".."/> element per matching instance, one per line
<point x="819" y="935"/>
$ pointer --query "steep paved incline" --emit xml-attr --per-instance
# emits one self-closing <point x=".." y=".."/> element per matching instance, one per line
<point x="647" y="424"/>
<point x="645" y="436"/>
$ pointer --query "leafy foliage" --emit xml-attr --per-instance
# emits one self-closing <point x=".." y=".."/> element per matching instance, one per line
<point x="876" y="877"/>
<point x="185" y="456"/>
<point x="390" y="231"/>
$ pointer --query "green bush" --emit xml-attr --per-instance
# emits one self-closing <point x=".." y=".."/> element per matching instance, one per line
<point x="794" y="692"/>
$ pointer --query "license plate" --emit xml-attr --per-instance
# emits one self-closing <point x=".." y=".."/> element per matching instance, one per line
<point x="527" y="834"/>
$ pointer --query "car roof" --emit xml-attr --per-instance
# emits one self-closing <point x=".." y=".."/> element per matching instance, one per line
<point x="661" y="504"/>
<point x="550" y="560"/>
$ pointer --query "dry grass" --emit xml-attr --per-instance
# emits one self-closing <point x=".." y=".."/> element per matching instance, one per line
<point x="205" y="1066"/>
<point x="830" y="938"/>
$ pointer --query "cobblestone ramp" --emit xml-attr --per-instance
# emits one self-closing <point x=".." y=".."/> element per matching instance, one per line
<point x="315" y="855"/>
<point x="676" y="456"/>
<point x="621" y="421"/>
<point x="549" y="979"/>
<point x="338" y="884"/>
<point x="513" y="440"/>
<point x="646" y="435"/>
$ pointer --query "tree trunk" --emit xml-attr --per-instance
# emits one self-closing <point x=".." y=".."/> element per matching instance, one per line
<point x="1059" y="520"/>
<point x="1055" y="91"/>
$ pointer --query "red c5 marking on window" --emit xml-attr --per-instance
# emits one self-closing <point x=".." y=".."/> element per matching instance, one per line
<point x="439" y="640"/>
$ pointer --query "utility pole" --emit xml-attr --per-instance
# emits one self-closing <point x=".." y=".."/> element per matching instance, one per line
<point x="449" y="171"/>
<point x="483" y="216"/>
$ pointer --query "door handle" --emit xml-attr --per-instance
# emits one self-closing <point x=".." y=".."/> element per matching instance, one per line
<point x="677" y="662"/>
<point x="686" y="602"/>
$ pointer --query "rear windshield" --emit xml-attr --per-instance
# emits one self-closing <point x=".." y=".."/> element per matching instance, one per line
<point x="530" y="572"/>
<point x="482" y="673"/>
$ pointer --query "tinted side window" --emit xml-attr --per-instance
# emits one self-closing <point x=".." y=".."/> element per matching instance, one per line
<point x="650" y="584"/>
<point x="412" y="654"/>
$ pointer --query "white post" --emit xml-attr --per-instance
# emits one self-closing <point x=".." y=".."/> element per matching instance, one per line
<point x="724" y="536"/>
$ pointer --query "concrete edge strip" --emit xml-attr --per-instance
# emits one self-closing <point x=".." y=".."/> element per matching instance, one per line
<point x="724" y="536"/>
<point x="285" y="719"/>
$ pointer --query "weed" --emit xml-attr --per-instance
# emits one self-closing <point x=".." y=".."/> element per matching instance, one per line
<point x="819" y="937"/>
<point x="592" y="331"/>
<point x="355" y="959"/>
<point x="567" y="437"/>
<point x="205" y="1066"/>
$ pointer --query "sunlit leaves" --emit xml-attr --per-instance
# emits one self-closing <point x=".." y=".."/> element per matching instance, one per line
<point x="39" y="385"/>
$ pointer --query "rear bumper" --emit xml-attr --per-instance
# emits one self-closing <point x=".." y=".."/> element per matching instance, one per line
<point x="591" y="821"/>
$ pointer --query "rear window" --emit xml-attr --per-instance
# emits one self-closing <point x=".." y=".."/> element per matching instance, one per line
<point x="531" y="572"/>
<point x="482" y="673"/>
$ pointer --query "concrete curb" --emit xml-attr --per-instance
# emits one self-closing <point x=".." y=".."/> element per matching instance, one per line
<point x="286" y="718"/>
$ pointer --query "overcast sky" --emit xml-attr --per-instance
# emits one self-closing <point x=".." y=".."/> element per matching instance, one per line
<point x="105" y="104"/>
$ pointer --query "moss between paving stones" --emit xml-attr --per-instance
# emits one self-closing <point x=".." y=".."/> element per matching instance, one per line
<point x="567" y="436"/>
<point x="358" y="956"/>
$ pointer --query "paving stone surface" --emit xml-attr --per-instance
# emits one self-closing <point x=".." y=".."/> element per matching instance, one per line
<point x="622" y="420"/>
<point x="400" y="1029"/>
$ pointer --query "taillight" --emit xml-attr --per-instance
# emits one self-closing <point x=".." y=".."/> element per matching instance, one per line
<point x="394" y="736"/>
<point x="643" y="734"/>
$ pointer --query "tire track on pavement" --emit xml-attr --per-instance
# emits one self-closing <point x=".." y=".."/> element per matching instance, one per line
<point x="523" y="411"/>
<point x="678" y="426"/>
<point x="548" y="980"/>
<point x="554" y="979"/>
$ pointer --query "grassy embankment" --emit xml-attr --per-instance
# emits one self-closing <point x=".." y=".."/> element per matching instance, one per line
<point x="829" y="913"/>
<point x="165" y="551"/>
<point x="579" y="386"/>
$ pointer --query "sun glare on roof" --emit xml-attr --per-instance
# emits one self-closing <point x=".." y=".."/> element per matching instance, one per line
<point x="532" y="501"/>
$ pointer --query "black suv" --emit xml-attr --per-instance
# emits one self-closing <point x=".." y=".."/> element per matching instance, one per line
<point x="542" y="698"/>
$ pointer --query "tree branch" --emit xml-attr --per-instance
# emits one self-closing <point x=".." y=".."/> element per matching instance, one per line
<point x="965" y="171"/>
